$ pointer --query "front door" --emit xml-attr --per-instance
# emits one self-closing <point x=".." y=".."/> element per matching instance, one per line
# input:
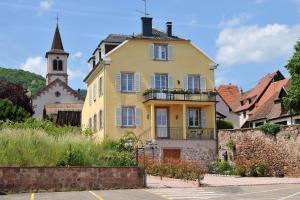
<point x="162" y="122"/>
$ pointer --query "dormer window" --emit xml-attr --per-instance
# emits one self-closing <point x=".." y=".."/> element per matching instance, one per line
<point x="242" y="103"/>
<point x="249" y="100"/>
<point x="160" y="52"/>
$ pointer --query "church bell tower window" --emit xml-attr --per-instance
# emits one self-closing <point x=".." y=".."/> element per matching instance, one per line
<point x="57" y="64"/>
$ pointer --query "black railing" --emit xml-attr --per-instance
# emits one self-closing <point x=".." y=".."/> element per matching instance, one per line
<point x="191" y="133"/>
<point x="180" y="95"/>
<point x="200" y="134"/>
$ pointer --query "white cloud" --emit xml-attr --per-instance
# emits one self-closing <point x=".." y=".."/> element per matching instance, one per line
<point x="255" y="44"/>
<point x="77" y="54"/>
<point x="46" y="5"/>
<point x="75" y="74"/>
<point x="36" y="65"/>
<point x="235" y="20"/>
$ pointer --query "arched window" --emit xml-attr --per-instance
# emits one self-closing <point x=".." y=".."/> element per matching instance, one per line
<point x="55" y="66"/>
<point x="60" y="65"/>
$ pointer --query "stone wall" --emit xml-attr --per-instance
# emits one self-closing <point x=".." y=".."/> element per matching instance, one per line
<point x="280" y="152"/>
<point x="201" y="151"/>
<point x="37" y="179"/>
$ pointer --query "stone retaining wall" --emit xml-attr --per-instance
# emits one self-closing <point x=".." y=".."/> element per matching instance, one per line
<point x="280" y="152"/>
<point x="37" y="179"/>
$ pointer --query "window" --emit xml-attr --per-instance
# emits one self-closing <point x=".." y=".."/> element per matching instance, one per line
<point x="194" y="82"/>
<point x="127" y="82"/>
<point x="60" y="65"/>
<point x="242" y="103"/>
<point x="160" y="52"/>
<point x="100" y="86"/>
<point x="194" y="117"/>
<point x="90" y="123"/>
<point x="94" y="92"/>
<point x="57" y="65"/>
<point x="297" y="121"/>
<point x="95" y="123"/>
<point x="100" y="119"/>
<point x="57" y="94"/>
<point x="128" y="116"/>
<point x="161" y="81"/>
<point x="244" y="114"/>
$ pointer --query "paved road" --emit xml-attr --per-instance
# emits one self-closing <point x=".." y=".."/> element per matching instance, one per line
<point x="263" y="192"/>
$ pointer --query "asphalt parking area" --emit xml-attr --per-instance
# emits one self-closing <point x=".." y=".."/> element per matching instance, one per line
<point x="261" y="192"/>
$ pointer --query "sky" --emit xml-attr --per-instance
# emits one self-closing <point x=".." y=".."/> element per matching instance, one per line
<point x="247" y="38"/>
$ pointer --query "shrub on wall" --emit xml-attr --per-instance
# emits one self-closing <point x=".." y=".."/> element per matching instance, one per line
<point x="270" y="128"/>
<point x="179" y="169"/>
<point x="223" y="124"/>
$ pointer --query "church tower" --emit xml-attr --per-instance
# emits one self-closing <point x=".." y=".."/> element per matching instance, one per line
<point x="57" y="60"/>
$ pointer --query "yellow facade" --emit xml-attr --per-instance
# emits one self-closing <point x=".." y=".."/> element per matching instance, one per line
<point x="133" y="56"/>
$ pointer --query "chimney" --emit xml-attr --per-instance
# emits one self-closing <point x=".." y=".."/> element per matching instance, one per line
<point x="169" y="29"/>
<point x="147" y="26"/>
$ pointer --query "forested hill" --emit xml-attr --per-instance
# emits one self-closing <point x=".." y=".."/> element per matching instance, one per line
<point x="28" y="80"/>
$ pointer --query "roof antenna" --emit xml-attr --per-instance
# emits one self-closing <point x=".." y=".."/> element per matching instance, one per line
<point x="145" y="11"/>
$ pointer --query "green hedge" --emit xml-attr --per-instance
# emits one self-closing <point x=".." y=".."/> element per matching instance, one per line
<point x="10" y="112"/>
<point x="270" y="128"/>
<point x="223" y="124"/>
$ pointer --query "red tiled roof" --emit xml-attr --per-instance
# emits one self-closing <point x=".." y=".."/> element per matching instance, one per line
<point x="266" y="108"/>
<point x="255" y="93"/>
<point x="230" y="94"/>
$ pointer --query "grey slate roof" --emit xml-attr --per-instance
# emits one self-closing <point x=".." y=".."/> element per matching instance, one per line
<point x="159" y="35"/>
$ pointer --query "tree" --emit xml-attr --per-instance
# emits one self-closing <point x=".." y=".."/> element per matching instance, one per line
<point x="292" y="100"/>
<point x="16" y="94"/>
<point x="12" y="112"/>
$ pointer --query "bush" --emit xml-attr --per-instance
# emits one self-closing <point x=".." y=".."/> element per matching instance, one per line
<point x="223" y="124"/>
<point x="252" y="168"/>
<point x="224" y="167"/>
<point x="270" y="128"/>
<point x="11" y="112"/>
<point x="72" y="157"/>
<point x="179" y="169"/>
<point x="231" y="144"/>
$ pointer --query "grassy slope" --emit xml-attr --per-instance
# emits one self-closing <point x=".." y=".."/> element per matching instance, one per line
<point x="28" y="80"/>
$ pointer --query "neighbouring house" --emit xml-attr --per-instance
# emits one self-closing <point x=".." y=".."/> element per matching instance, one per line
<point x="261" y="104"/>
<point x="228" y="101"/>
<point x="57" y="95"/>
<point x="158" y="85"/>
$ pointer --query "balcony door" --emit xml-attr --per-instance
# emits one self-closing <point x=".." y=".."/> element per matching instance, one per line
<point x="161" y="122"/>
<point x="161" y="83"/>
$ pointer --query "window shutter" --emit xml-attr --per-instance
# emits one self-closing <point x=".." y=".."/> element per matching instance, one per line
<point x="137" y="82"/>
<point x="94" y="91"/>
<point x="202" y="82"/>
<point x="170" y="52"/>
<point x="138" y="117"/>
<point x="170" y="82"/>
<point x="151" y="51"/>
<point x="152" y="81"/>
<point x="118" y="82"/>
<point x="90" y="96"/>
<point x="186" y="82"/>
<point x="203" y="118"/>
<point x="119" y="117"/>
<point x="102" y="119"/>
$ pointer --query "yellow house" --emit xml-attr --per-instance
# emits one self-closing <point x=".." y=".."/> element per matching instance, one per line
<point x="157" y="85"/>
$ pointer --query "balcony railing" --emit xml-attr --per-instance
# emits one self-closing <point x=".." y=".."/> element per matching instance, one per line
<point x="191" y="133"/>
<point x="180" y="95"/>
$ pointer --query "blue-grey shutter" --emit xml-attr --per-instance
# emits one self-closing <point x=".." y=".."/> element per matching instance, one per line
<point x="203" y="118"/>
<point x="151" y="51"/>
<point x="170" y="52"/>
<point x="118" y="82"/>
<point x="137" y="82"/>
<point x="202" y="82"/>
<point x="186" y="82"/>
<point x="170" y="82"/>
<point x="119" y="116"/>
<point x="153" y="81"/>
<point x="138" y="117"/>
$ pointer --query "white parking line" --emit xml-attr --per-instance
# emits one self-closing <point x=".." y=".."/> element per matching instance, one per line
<point x="287" y="197"/>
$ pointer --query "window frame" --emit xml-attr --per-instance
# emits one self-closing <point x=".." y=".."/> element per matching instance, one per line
<point x="194" y="120"/>
<point x="125" y="111"/>
<point x="100" y="86"/>
<point x="192" y="79"/>
<point x="159" y="77"/>
<point x="126" y="82"/>
<point x="158" y="50"/>
<point x="101" y="119"/>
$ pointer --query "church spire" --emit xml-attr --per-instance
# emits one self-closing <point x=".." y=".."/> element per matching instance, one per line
<point x="57" y="43"/>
